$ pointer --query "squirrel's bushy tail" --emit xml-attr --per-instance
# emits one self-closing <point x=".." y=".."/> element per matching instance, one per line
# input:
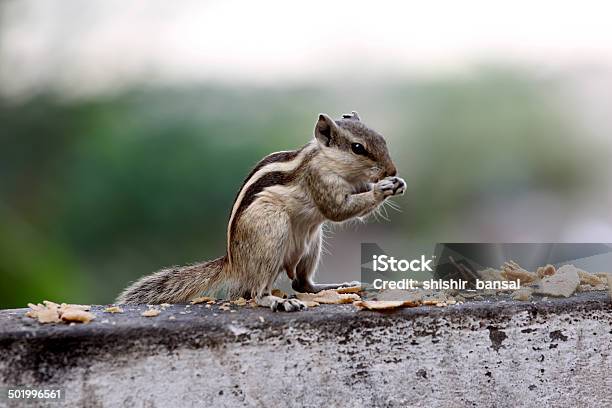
<point x="174" y="285"/>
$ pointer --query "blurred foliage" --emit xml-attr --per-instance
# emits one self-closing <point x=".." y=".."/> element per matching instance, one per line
<point x="97" y="192"/>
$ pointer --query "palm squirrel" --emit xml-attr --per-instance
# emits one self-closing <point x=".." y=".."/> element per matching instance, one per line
<point x="344" y="172"/>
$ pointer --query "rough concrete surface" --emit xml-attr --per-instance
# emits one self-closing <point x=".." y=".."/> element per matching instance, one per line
<point x="555" y="352"/>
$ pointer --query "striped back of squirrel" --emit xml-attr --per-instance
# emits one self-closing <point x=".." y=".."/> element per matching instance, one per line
<point x="330" y="151"/>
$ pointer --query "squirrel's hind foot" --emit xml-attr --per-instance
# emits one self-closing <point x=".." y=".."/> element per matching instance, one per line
<point x="277" y="304"/>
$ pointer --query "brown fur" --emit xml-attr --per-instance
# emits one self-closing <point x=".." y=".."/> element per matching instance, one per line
<point x="275" y="223"/>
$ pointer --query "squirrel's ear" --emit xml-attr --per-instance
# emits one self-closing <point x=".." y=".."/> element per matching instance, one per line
<point x="325" y="129"/>
<point x="353" y="115"/>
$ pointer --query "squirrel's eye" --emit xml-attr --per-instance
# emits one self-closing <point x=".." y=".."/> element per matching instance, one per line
<point x="358" y="148"/>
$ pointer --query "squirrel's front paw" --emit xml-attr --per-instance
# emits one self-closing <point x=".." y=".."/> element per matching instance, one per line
<point x="390" y="186"/>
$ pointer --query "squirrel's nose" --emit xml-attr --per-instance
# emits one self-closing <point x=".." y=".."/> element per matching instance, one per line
<point x="392" y="171"/>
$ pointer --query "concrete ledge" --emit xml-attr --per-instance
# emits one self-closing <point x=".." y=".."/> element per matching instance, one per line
<point x="552" y="353"/>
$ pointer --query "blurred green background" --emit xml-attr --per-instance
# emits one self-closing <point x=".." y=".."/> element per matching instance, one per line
<point x="100" y="187"/>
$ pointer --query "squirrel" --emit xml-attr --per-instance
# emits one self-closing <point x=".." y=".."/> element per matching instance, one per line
<point x="276" y="221"/>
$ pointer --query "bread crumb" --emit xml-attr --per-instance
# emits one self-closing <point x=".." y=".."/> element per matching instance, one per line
<point x="379" y="304"/>
<point x="43" y="313"/>
<point x="202" y="299"/>
<point x="239" y="302"/>
<point x="72" y="306"/>
<point x="328" y="297"/>
<point x="513" y="271"/>
<point x="51" y="312"/>
<point x="547" y="270"/>
<point x="306" y="296"/>
<point x="352" y="289"/>
<point x="77" y="315"/>
<point x="51" y="305"/>
<point x="151" y="313"/>
<point x="562" y="284"/>
<point x="113" y="309"/>
<point x="389" y="304"/>
<point x="589" y="279"/>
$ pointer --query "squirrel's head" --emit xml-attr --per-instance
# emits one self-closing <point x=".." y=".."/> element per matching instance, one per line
<point x="354" y="151"/>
